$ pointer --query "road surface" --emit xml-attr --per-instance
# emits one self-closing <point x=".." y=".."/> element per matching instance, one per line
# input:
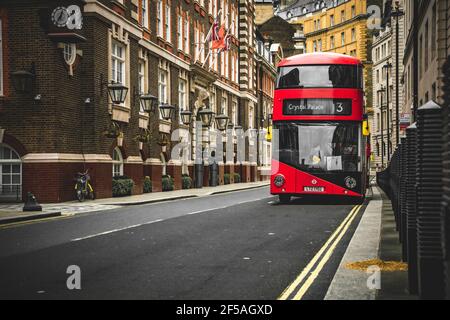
<point x="238" y="246"/>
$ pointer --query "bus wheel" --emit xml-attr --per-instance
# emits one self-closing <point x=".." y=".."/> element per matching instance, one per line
<point x="285" y="199"/>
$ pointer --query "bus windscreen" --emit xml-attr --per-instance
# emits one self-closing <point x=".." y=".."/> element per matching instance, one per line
<point x="319" y="147"/>
<point x="320" y="76"/>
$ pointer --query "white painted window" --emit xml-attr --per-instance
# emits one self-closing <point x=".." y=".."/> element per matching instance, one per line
<point x="234" y="115"/>
<point x="159" y="18"/>
<point x="144" y="11"/>
<point x="180" y="33"/>
<point x="202" y="47"/>
<point x="182" y="96"/>
<point x="1" y="59"/>
<point x="168" y="24"/>
<point x="186" y="35"/>
<point x="141" y="75"/>
<point x="118" y="63"/>
<point x="10" y="174"/>
<point x="225" y="106"/>
<point x="197" y="43"/>
<point x="117" y="163"/>
<point x="163" y="79"/>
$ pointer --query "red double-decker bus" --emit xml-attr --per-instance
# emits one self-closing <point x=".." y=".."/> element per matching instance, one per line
<point x="320" y="145"/>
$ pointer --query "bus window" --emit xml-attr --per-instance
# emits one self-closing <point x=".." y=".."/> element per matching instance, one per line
<point x="326" y="147"/>
<point x="320" y="76"/>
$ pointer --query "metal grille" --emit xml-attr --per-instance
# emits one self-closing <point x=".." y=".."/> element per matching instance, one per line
<point x="10" y="193"/>
<point x="429" y="196"/>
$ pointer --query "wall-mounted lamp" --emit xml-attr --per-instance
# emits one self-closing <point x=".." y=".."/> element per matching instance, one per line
<point x="23" y="80"/>
<point x="117" y="91"/>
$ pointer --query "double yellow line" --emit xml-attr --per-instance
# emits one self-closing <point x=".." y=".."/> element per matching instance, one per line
<point x="299" y="287"/>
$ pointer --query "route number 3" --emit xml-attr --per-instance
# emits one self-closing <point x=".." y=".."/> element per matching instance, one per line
<point x="339" y="108"/>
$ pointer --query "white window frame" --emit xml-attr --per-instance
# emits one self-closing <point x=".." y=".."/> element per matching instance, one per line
<point x="182" y="96"/>
<point x="159" y="19"/>
<point x="12" y="162"/>
<point x="118" y="62"/>
<point x="117" y="37"/>
<point x="234" y="112"/>
<point x="117" y="163"/>
<point x="186" y="30"/>
<point x="167" y="23"/>
<point x="180" y="36"/>
<point x="145" y="17"/>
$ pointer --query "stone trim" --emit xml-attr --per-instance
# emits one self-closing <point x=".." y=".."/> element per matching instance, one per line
<point x="65" y="157"/>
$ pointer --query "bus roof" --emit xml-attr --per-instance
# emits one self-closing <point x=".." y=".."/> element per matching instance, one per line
<point x="325" y="58"/>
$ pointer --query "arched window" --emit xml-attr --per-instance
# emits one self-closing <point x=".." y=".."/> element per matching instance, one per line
<point x="117" y="163"/>
<point x="10" y="174"/>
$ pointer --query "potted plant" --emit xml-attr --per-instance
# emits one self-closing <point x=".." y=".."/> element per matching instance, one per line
<point x="143" y="137"/>
<point x="113" y="131"/>
<point x="120" y="140"/>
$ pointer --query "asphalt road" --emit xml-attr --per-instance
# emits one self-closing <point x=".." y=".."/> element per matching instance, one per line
<point x="237" y="246"/>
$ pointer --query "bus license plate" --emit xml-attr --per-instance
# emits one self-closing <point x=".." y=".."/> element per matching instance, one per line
<point x="314" y="189"/>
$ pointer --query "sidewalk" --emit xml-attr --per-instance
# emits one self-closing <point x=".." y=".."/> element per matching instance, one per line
<point x="10" y="213"/>
<point x="376" y="238"/>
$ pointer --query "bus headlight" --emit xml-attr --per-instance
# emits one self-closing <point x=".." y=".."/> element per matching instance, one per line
<point x="279" y="181"/>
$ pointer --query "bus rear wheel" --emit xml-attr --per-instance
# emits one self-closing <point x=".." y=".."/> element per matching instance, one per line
<point x="285" y="199"/>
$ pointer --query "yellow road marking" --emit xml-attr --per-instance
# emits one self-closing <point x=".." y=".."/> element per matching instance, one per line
<point x="289" y="290"/>
<point x="324" y="260"/>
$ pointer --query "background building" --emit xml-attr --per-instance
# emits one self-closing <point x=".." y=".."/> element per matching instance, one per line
<point x="55" y="130"/>
<point x="386" y="77"/>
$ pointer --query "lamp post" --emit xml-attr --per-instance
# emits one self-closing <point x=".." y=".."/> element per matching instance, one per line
<point x="205" y="116"/>
<point x="397" y="14"/>
<point x="380" y="93"/>
<point x="387" y="67"/>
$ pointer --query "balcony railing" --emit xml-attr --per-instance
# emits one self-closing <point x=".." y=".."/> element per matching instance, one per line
<point x="262" y="50"/>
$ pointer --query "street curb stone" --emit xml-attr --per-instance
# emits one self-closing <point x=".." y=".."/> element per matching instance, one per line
<point x="29" y="217"/>
<point x="365" y="244"/>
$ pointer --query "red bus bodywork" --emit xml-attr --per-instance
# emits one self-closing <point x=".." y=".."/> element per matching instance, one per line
<point x="295" y="179"/>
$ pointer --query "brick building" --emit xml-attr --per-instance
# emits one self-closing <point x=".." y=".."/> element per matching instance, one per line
<point x="56" y="129"/>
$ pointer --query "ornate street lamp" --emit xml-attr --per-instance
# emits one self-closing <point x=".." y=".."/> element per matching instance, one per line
<point x="186" y="117"/>
<point x="206" y="116"/>
<point x="167" y="111"/>
<point x="149" y="103"/>
<point x="222" y="122"/>
<point x="117" y="92"/>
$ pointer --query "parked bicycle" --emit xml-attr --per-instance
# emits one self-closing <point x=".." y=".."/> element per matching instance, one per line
<point x="83" y="187"/>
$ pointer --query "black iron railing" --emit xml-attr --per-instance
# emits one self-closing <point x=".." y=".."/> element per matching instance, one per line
<point x="414" y="183"/>
<point x="10" y="193"/>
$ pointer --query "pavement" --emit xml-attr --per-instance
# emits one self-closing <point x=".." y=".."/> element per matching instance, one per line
<point x="375" y="238"/>
<point x="238" y="245"/>
<point x="352" y="284"/>
<point x="10" y="213"/>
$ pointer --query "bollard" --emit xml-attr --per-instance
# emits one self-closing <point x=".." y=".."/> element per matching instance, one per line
<point x="31" y="204"/>
<point x="411" y="208"/>
<point x="429" y="191"/>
